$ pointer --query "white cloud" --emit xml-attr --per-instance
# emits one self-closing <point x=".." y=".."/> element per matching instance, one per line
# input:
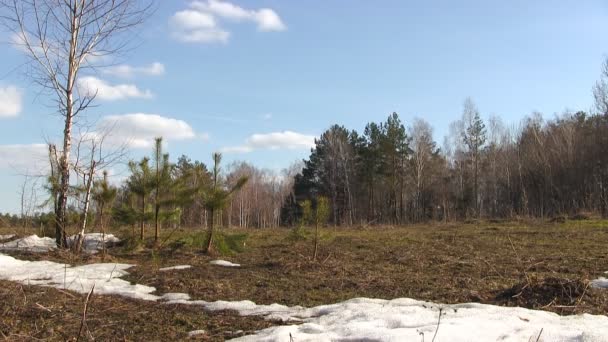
<point x="128" y="71"/>
<point x="267" y="116"/>
<point x="268" y="20"/>
<point x="104" y="91"/>
<point x="138" y="130"/>
<point x="193" y="19"/>
<point x="192" y="26"/>
<point x="10" y="101"/>
<point x="274" y="141"/>
<point x="27" y="158"/>
<point x="199" y="22"/>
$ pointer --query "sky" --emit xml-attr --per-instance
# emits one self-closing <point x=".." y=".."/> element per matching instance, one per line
<point x="259" y="79"/>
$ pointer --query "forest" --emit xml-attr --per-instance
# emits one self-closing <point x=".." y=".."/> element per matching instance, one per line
<point x="391" y="173"/>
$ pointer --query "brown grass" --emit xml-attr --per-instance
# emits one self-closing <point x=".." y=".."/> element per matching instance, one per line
<point x="535" y="265"/>
<point x="30" y="313"/>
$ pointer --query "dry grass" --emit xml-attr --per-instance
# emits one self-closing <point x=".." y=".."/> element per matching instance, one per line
<point x="31" y="313"/>
<point x="535" y="265"/>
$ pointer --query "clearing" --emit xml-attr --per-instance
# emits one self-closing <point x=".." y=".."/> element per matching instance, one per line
<point x="545" y="266"/>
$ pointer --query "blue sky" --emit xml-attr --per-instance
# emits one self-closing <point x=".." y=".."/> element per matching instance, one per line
<point x="259" y="79"/>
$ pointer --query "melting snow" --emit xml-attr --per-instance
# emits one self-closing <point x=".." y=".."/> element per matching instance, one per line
<point x="105" y="277"/>
<point x="600" y="282"/>
<point x="92" y="242"/>
<point x="32" y="243"/>
<point x="224" y="263"/>
<point x="356" y="319"/>
<point x="196" y="333"/>
<point x="409" y="320"/>
<point x="178" y="267"/>
<point x="172" y="297"/>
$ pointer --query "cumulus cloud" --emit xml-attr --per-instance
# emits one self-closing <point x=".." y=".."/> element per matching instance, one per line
<point x="26" y="158"/>
<point x="199" y="23"/>
<point x="138" y="130"/>
<point x="274" y="141"/>
<point x="104" y="91"/>
<point x="10" y="101"/>
<point x="128" y="71"/>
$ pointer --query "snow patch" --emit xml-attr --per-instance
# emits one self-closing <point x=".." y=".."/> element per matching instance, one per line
<point x="105" y="277"/>
<point x="356" y="319"/>
<point x="6" y="237"/>
<point x="600" y="282"/>
<point x="172" y="297"/>
<point x="407" y="319"/>
<point x="224" y="263"/>
<point x="31" y="243"/>
<point x="195" y="333"/>
<point x="92" y="242"/>
<point x="178" y="267"/>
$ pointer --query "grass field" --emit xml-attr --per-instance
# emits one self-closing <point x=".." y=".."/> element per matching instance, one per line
<point x="535" y="265"/>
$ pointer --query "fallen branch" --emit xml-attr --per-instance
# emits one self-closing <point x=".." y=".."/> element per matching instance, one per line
<point x="438" y="323"/>
<point x="84" y="313"/>
<point x="540" y="333"/>
<point x="43" y="307"/>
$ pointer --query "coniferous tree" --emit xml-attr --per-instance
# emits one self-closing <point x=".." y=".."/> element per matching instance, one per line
<point x="141" y="183"/>
<point x="474" y="137"/>
<point x="192" y="179"/>
<point x="396" y="150"/>
<point x="321" y="216"/>
<point x="216" y="198"/>
<point x="164" y="188"/>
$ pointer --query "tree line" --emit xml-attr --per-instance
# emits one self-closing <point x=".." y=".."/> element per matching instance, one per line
<point x="393" y="174"/>
<point x="389" y="174"/>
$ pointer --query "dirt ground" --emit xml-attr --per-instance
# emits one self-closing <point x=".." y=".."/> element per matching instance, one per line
<point x="534" y="264"/>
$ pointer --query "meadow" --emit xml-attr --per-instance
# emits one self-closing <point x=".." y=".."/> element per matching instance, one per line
<point x="532" y="264"/>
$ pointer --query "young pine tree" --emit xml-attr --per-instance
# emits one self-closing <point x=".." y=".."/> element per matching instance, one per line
<point x="104" y="195"/>
<point x="217" y="197"/>
<point x="141" y="183"/>
<point x="164" y="194"/>
<point x="321" y="217"/>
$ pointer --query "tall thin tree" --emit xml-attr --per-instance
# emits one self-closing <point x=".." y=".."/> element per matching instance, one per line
<point x="474" y="137"/>
<point x="217" y="198"/>
<point x="62" y="39"/>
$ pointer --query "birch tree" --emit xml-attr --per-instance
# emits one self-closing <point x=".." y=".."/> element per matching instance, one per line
<point x="62" y="40"/>
<point x="423" y="148"/>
